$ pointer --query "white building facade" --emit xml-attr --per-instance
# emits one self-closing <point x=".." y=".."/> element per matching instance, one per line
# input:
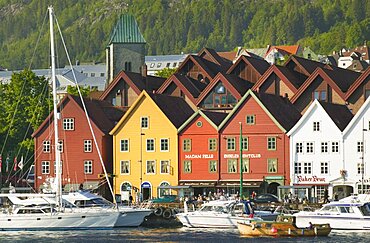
<point x="316" y="151"/>
<point x="356" y="139"/>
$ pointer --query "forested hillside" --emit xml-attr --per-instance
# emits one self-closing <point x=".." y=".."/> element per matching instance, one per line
<point x="174" y="26"/>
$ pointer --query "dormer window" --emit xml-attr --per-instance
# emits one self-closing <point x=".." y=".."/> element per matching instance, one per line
<point x="320" y="95"/>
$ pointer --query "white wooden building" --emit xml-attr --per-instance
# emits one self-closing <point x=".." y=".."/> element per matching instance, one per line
<point x="316" y="147"/>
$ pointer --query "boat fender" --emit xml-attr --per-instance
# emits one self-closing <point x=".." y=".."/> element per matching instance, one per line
<point x="158" y="211"/>
<point x="174" y="211"/>
<point x="315" y="230"/>
<point x="253" y="226"/>
<point x="167" y="213"/>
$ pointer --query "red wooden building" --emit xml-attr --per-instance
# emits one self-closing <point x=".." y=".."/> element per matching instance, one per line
<point x="199" y="151"/>
<point x="260" y="121"/>
<point x="79" y="156"/>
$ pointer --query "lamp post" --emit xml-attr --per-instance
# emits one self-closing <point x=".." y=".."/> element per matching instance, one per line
<point x="141" y="164"/>
<point x="241" y="161"/>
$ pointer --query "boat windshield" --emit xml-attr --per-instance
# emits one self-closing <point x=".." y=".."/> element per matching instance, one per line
<point x="346" y="209"/>
<point x="208" y="208"/>
<point x="329" y="208"/>
<point x="365" y="209"/>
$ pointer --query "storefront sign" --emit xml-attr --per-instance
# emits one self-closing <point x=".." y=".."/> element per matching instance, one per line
<point x="198" y="156"/>
<point x="366" y="181"/>
<point x="245" y="156"/>
<point x="310" y="179"/>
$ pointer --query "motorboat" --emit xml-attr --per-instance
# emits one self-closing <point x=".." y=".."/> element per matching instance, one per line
<point x="218" y="214"/>
<point x="283" y="226"/>
<point x="131" y="216"/>
<point x="350" y="213"/>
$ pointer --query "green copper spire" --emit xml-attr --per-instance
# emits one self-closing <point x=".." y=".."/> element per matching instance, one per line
<point x="126" y="31"/>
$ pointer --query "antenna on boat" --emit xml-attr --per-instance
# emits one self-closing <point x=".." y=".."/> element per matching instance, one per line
<point x="57" y="182"/>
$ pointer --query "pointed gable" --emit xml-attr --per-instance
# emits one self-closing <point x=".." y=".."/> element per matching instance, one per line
<point x="211" y="55"/>
<point x="212" y="117"/>
<point x="126" y="31"/>
<point x="303" y="65"/>
<point x="361" y="119"/>
<point x="179" y="84"/>
<point x="340" y="114"/>
<point x="249" y="68"/>
<point x="361" y="80"/>
<point x="128" y="80"/>
<point x="227" y="86"/>
<point x="279" y="109"/>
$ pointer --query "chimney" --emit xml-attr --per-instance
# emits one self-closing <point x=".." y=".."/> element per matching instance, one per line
<point x="144" y="70"/>
<point x="286" y="95"/>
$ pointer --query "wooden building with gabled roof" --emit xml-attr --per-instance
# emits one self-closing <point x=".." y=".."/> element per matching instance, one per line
<point x="127" y="86"/>
<point x="359" y="91"/>
<point x="260" y="121"/>
<point x="223" y="92"/>
<point x="249" y="68"/>
<point x="80" y="159"/>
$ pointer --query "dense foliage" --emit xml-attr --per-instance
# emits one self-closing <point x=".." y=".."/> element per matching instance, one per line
<point x="175" y="26"/>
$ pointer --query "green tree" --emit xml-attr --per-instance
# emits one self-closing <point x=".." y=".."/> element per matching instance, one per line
<point x="165" y="72"/>
<point x="25" y="103"/>
<point x="85" y="91"/>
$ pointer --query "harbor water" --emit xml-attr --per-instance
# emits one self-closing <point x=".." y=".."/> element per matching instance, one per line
<point x="142" y="234"/>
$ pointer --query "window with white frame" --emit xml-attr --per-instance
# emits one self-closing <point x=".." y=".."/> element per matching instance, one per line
<point x="144" y="122"/>
<point x="186" y="145"/>
<point x="212" y="144"/>
<point x="316" y="126"/>
<point x="165" y="167"/>
<point x="231" y="165"/>
<point x="124" y="145"/>
<point x="320" y="191"/>
<point x="271" y="143"/>
<point x="187" y="166"/>
<point x="360" y="168"/>
<point x="88" y="146"/>
<point x="88" y="167"/>
<point x="150" y="145"/>
<point x="307" y="168"/>
<point x="125" y="167"/>
<point x="335" y="147"/>
<point x="245" y="165"/>
<point x="150" y="167"/>
<point x="60" y="167"/>
<point x="213" y="166"/>
<point x="299" y="148"/>
<point x="45" y="167"/>
<point x="68" y="124"/>
<point x="297" y="168"/>
<point x="230" y="144"/>
<point x="324" y="168"/>
<point x="324" y="147"/>
<point x="309" y="147"/>
<point x="60" y="146"/>
<point x="360" y="147"/>
<point x="46" y="146"/>
<point x="244" y="143"/>
<point x="272" y="165"/>
<point x="164" y="145"/>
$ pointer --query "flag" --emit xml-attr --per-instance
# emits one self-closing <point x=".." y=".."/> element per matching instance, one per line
<point x="1" y="163"/>
<point x="20" y="164"/>
<point x="7" y="163"/>
<point x="15" y="163"/>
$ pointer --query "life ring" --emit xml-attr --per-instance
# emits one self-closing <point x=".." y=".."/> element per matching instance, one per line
<point x="158" y="211"/>
<point x="167" y="213"/>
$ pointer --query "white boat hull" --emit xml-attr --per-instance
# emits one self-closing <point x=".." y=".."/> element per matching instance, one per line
<point x="212" y="220"/>
<point x="132" y="217"/>
<point x="59" y="221"/>
<point x="336" y="221"/>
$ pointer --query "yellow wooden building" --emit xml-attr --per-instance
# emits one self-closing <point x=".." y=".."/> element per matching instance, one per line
<point x="145" y="146"/>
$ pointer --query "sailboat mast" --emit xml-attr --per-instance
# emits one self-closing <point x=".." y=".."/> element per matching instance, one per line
<point x="58" y="183"/>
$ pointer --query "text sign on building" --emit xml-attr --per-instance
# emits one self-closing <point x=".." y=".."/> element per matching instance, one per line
<point x="245" y="156"/>
<point x="310" y="179"/>
<point x="198" y="156"/>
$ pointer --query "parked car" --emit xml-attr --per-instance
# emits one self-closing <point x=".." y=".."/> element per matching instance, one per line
<point x="165" y="199"/>
<point x="266" y="198"/>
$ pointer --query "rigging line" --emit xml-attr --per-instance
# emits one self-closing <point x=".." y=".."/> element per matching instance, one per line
<point x="11" y="123"/>
<point x="38" y="40"/>
<point x="86" y="113"/>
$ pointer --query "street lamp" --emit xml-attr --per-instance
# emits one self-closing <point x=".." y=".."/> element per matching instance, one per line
<point x="141" y="163"/>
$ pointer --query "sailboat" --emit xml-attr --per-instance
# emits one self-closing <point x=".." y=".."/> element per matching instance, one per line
<point x="51" y="211"/>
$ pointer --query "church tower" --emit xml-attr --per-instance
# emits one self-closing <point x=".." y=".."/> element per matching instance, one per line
<point x="126" y="48"/>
